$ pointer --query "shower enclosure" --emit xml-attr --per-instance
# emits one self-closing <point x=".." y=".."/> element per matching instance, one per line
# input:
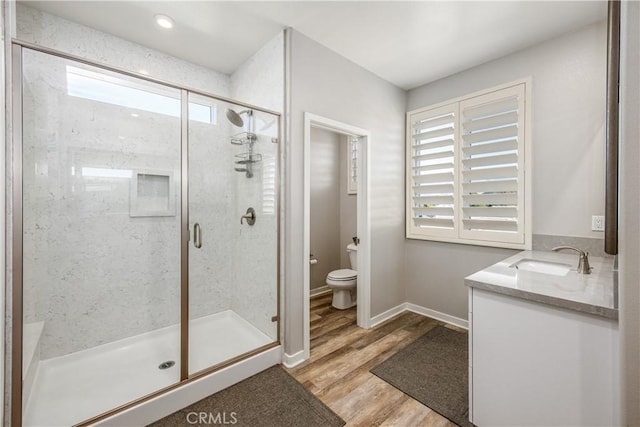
<point x="146" y="230"/>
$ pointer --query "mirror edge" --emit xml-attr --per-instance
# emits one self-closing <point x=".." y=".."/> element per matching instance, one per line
<point x="611" y="123"/>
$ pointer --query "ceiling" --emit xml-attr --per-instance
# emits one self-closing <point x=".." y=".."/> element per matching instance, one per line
<point x="406" y="43"/>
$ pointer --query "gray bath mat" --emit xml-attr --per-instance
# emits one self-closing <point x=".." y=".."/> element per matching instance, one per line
<point x="272" y="398"/>
<point x="434" y="371"/>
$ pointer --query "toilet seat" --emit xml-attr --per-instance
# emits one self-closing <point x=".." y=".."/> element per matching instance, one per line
<point x="343" y="283"/>
<point x="343" y="275"/>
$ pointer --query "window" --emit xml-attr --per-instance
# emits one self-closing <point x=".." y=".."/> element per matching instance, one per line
<point x="130" y="93"/>
<point x="352" y="164"/>
<point x="468" y="169"/>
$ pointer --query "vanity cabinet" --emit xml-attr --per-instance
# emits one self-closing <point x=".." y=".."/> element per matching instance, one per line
<point x="535" y="363"/>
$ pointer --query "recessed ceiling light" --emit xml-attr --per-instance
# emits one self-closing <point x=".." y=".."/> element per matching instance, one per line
<point x="164" y="21"/>
<point x="145" y="72"/>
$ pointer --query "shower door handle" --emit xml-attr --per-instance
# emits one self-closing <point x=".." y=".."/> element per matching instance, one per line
<point x="197" y="235"/>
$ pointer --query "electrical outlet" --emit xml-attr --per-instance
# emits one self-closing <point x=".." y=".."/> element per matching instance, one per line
<point x="597" y="223"/>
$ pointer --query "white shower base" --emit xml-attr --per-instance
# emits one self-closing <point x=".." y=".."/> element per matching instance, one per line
<point x="72" y="388"/>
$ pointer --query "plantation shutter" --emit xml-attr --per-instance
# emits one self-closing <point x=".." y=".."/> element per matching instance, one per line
<point x="492" y="165"/>
<point x="431" y="184"/>
<point x="466" y="170"/>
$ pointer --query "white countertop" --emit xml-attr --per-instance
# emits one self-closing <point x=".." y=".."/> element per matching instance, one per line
<point x="593" y="293"/>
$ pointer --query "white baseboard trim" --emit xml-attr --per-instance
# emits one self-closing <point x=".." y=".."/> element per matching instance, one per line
<point x="443" y="317"/>
<point x="319" y="291"/>
<point x="407" y="306"/>
<point x="383" y="317"/>
<point x="292" y="360"/>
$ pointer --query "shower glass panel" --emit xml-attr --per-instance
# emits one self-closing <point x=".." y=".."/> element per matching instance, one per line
<point x="101" y="231"/>
<point x="232" y="254"/>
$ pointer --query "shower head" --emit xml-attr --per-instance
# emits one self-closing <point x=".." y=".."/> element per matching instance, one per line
<point x="236" y="118"/>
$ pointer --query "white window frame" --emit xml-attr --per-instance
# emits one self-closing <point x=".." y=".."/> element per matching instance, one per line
<point x="352" y="162"/>
<point x="525" y="164"/>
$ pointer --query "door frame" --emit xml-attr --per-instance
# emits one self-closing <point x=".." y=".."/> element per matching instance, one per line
<point x="363" y="221"/>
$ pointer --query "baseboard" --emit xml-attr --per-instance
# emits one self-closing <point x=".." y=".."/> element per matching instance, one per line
<point x="292" y="360"/>
<point x="407" y="306"/>
<point x="383" y="317"/>
<point x="446" y="318"/>
<point x="319" y="291"/>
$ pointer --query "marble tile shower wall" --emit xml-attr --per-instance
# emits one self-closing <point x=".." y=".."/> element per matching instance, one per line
<point x="259" y="81"/>
<point x="97" y="274"/>
<point x="212" y="194"/>
<point x="254" y="286"/>
<point x="134" y="270"/>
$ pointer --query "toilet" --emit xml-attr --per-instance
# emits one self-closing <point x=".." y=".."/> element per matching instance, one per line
<point x="343" y="282"/>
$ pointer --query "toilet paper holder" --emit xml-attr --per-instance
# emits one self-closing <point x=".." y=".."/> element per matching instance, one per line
<point x="312" y="259"/>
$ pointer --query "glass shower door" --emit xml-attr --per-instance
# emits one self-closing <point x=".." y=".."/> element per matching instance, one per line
<point x="233" y="252"/>
<point x="105" y="183"/>
<point x="101" y="233"/>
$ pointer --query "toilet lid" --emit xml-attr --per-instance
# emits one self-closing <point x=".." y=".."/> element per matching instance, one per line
<point x="344" y="274"/>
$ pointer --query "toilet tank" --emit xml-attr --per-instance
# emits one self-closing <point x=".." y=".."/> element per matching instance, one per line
<point x="353" y="256"/>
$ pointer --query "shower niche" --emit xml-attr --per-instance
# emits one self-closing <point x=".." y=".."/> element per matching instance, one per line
<point x="152" y="194"/>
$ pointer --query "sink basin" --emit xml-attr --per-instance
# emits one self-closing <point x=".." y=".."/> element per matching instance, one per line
<point x="544" y="267"/>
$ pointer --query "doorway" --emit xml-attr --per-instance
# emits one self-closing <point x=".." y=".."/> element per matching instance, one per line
<point x="360" y="138"/>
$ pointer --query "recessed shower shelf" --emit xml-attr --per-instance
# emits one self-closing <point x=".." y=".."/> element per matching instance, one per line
<point x="244" y="138"/>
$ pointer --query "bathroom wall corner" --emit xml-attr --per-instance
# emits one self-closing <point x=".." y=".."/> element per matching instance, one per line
<point x="328" y="85"/>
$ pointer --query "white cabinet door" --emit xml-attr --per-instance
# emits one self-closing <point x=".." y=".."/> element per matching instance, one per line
<point x="537" y="365"/>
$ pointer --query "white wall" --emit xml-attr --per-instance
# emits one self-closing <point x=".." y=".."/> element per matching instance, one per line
<point x="325" y="204"/>
<point x="569" y="87"/>
<point x="629" y="214"/>
<point x="568" y="123"/>
<point x="329" y="85"/>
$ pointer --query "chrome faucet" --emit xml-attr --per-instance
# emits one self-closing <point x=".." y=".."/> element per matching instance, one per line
<point x="583" y="262"/>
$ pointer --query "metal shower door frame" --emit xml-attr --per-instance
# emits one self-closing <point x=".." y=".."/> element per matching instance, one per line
<point x="17" y="47"/>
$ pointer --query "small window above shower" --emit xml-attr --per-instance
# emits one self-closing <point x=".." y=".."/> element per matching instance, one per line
<point x="106" y="87"/>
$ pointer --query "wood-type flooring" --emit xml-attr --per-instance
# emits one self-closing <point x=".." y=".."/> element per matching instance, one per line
<point x="342" y="355"/>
